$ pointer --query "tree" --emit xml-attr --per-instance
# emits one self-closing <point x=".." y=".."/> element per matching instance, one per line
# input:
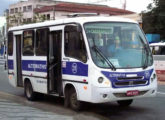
<point x="39" y="18"/>
<point x="154" y="19"/>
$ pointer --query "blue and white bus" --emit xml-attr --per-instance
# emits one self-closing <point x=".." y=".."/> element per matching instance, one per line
<point x="83" y="59"/>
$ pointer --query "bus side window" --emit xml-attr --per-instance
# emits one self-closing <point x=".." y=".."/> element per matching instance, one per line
<point x="41" y="41"/>
<point x="158" y="50"/>
<point x="28" y="43"/>
<point x="74" y="44"/>
<point x="10" y="43"/>
<point x="162" y="52"/>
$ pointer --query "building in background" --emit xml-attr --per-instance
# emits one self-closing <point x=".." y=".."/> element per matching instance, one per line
<point x="61" y="10"/>
<point x="22" y="12"/>
<point x="134" y="16"/>
<point x="31" y="11"/>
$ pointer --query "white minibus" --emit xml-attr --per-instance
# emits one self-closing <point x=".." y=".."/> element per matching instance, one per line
<point x="83" y="59"/>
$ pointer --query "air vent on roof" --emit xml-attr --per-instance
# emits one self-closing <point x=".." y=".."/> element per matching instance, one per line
<point x="82" y="14"/>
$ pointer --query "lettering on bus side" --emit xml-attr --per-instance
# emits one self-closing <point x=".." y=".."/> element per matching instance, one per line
<point x="33" y="65"/>
<point x="41" y="82"/>
<point x="39" y="66"/>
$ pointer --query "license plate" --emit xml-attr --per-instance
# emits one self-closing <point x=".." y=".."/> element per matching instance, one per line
<point x="132" y="93"/>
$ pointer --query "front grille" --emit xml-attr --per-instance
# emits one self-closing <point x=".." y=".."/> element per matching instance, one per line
<point x="124" y="94"/>
<point x="130" y="83"/>
<point x="130" y="78"/>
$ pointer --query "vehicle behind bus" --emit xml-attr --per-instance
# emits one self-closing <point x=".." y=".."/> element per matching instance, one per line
<point x="158" y="51"/>
<point x="85" y="59"/>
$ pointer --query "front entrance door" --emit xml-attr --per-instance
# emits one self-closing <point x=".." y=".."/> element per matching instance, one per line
<point x="18" y="61"/>
<point x="54" y="64"/>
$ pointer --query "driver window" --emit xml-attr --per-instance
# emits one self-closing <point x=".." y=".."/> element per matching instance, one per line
<point x="74" y="43"/>
<point x="28" y="43"/>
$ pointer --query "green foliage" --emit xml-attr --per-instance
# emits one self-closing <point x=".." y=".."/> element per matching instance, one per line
<point x="154" y="19"/>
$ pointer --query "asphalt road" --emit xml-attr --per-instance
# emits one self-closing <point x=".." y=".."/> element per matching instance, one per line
<point x="5" y="86"/>
<point x="141" y="109"/>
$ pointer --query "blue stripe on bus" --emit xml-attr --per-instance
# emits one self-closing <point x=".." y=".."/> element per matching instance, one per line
<point x="10" y="64"/>
<point x="75" y="68"/>
<point x="30" y="65"/>
<point x="71" y="68"/>
<point x="113" y="77"/>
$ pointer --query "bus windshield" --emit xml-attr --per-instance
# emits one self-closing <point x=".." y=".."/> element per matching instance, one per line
<point x="122" y="44"/>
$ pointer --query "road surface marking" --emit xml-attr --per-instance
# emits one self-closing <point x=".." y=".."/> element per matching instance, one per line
<point x="162" y="93"/>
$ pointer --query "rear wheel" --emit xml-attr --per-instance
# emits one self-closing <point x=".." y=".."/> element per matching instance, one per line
<point x="125" y="103"/>
<point x="28" y="90"/>
<point x="75" y="104"/>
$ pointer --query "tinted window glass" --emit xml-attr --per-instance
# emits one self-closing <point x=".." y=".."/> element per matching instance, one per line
<point x="28" y="43"/>
<point x="41" y="44"/>
<point x="158" y="50"/>
<point x="74" y="44"/>
<point x="10" y="43"/>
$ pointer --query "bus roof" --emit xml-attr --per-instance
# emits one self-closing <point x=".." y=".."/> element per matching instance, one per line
<point x="158" y="44"/>
<point x="80" y="20"/>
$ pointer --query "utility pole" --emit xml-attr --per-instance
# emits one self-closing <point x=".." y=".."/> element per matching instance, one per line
<point x="124" y="4"/>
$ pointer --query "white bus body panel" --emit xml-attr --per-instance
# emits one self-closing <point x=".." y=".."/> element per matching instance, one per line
<point x="11" y="76"/>
<point x="38" y="79"/>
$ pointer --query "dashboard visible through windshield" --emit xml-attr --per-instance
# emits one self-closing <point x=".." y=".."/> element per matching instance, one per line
<point x="119" y="45"/>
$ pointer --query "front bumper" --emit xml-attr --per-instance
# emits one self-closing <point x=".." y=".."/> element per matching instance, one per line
<point x="102" y="95"/>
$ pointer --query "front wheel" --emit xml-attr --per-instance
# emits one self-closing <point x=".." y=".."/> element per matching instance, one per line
<point x="28" y="90"/>
<point x="125" y="103"/>
<point x="75" y="104"/>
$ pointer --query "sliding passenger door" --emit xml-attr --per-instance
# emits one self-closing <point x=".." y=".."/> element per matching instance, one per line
<point x="54" y="62"/>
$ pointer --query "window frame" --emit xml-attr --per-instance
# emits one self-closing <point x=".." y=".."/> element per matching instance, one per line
<point x="12" y="39"/>
<point x="35" y="46"/>
<point x="33" y="41"/>
<point x="86" y="55"/>
<point x="24" y="8"/>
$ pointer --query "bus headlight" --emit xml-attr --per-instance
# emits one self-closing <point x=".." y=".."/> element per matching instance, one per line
<point x="153" y="77"/>
<point x="100" y="79"/>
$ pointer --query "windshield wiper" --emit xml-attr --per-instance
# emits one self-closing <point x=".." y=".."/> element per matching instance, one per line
<point x="146" y="52"/>
<point x="104" y="57"/>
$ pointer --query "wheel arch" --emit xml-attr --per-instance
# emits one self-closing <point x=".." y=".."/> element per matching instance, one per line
<point x="69" y="86"/>
<point x="28" y="80"/>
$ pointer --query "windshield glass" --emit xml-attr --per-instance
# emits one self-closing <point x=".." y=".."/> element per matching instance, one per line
<point x="123" y="44"/>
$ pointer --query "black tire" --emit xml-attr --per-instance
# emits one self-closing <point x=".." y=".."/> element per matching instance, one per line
<point x="28" y="90"/>
<point x="125" y="103"/>
<point x="74" y="103"/>
<point x="66" y="99"/>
